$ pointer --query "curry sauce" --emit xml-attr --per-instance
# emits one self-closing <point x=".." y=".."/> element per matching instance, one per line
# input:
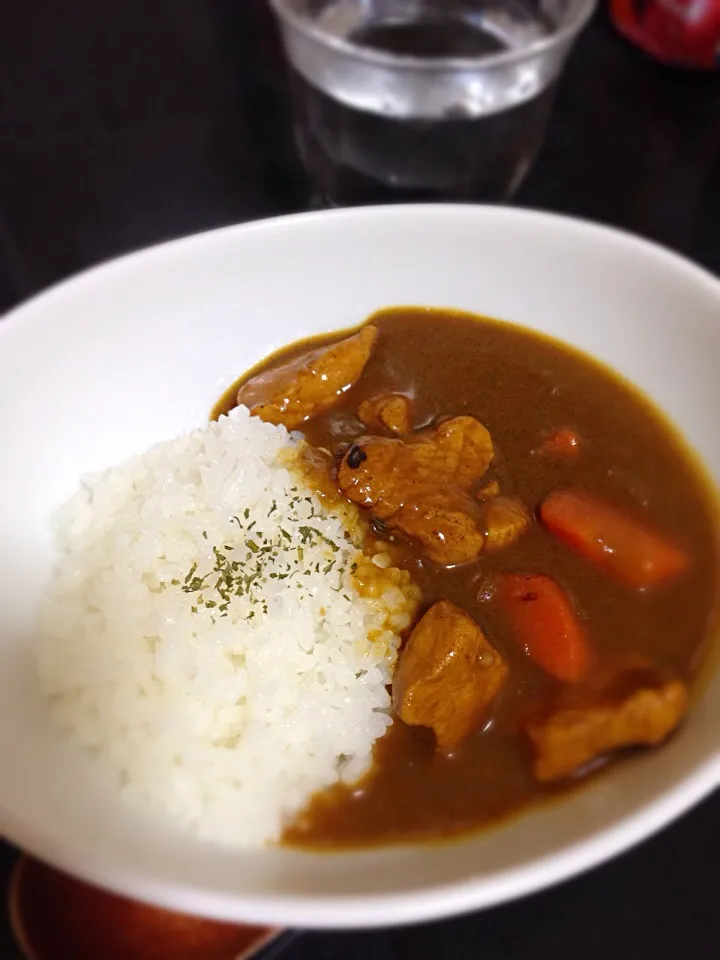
<point x="522" y="387"/>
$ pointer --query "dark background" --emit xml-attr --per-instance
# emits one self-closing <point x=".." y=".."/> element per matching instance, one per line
<point x="128" y="122"/>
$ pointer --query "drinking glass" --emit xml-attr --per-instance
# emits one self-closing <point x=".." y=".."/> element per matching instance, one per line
<point x="423" y="100"/>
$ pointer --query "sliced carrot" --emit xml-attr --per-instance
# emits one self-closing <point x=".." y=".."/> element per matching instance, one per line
<point x="544" y="622"/>
<point x="561" y="442"/>
<point x="618" y="543"/>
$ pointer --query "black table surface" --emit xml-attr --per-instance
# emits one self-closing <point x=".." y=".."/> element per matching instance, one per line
<point x="125" y="123"/>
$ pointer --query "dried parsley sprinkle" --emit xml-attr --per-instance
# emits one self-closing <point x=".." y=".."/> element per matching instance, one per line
<point x="242" y="569"/>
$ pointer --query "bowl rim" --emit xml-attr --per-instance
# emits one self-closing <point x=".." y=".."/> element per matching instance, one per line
<point x="409" y="211"/>
<point x="434" y="901"/>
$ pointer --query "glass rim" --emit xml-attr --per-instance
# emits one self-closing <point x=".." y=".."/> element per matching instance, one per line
<point x="285" y="13"/>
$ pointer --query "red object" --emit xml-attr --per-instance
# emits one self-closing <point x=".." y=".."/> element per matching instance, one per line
<point x="55" y="917"/>
<point x="616" y="542"/>
<point x="544" y="622"/>
<point x="681" y="32"/>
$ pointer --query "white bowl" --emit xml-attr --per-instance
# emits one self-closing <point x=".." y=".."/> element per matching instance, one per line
<point x="138" y="350"/>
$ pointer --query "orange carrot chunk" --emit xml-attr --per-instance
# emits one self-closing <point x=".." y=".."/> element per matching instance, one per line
<point x="561" y="442"/>
<point x="618" y="543"/>
<point x="544" y="623"/>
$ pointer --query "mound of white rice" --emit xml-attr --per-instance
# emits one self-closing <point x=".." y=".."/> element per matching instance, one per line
<point x="203" y="633"/>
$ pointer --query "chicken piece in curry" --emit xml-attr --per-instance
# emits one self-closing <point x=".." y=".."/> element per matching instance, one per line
<point x="419" y="486"/>
<point x="559" y="532"/>
<point x="568" y="739"/>
<point x="448" y="676"/>
<point x="294" y="392"/>
<point x="391" y="413"/>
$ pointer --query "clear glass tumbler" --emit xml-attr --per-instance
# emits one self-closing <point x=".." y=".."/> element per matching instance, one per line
<point x="422" y="100"/>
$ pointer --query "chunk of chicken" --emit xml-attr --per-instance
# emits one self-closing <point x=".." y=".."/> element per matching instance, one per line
<point x="310" y="384"/>
<point x="391" y="412"/>
<point x="570" y="738"/>
<point x="443" y="525"/>
<point x="487" y="490"/>
<point x="419" y="486"/>
<point x="385" y="474"/>
<point x="448" y="675"/>
<point x="505" y="519"/>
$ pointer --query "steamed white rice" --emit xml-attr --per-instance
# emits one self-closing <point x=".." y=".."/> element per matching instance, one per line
<point x="224" y="707"/>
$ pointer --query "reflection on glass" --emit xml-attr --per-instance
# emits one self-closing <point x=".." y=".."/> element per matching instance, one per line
<point x="412" y="100"/>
